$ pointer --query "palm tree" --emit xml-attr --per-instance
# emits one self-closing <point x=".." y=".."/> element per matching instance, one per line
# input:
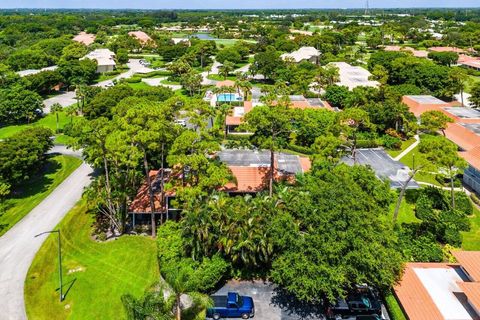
<point x="226" y="68"/>
<point x="152" y="305"/>
<point x="56" y="108"/>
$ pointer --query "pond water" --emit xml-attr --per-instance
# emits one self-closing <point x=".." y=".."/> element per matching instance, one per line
<point x="203" y="36"/>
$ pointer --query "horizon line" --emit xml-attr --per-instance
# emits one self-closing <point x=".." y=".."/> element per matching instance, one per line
<point x="235" y="9"/>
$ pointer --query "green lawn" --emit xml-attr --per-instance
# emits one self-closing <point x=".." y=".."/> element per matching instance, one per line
<point x="48" y="121"/>
<point x="394" y="309"/>
<point x="420" y="176"/>
<point x="471" y="239"/>
<point x="218" y="77"/>
<point x="405" y="145"/>
<point x="33" y="191"/>
<point x="406" y="213"/>
<point x="96" y="274"/>
<point x="230" y="42"/>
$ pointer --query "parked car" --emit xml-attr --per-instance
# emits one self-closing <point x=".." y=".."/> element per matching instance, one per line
<point x="363" y="300"/>
<point x="368" y="317"/>
<point x="232" y="305"/>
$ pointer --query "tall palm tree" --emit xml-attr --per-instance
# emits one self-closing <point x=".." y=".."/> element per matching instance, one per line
<point x="55" y="109"/>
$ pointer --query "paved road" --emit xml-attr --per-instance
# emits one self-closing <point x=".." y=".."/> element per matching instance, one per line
<point x="18" y="246"/>
<point x="65" y="99"/>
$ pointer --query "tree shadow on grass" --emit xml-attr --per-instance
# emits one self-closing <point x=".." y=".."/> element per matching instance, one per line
<point x="293" y="308"/>
<point x="39" y="181"/>
<point x="67" y="285"/>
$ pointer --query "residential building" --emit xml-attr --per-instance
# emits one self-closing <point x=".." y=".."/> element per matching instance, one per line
<point x="233" y="120"/>
<point x="469" y="62"/>
<point x="442" y="291"/>
<point x="105" y="59"/>
<point x="353" y="76"/>
<point x="464" y="131"/>
<point x="416" y="53"/>
<point x="309" y="54"/>
<point x="250" y="170"/>
<point x="29" y="72"/>
<point x="85" y="38"/>
<point x="140" y="36"/>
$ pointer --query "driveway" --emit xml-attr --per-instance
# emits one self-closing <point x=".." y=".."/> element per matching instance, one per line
<point x="134" y="66"/>
<point x="18" y="246"/>
<point x="64" y="99"/>
<point x="273" y="304"/>
<point x="270" y="304"/>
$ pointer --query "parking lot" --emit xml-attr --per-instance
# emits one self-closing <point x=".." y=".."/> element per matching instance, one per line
<point x="271" y="304"/>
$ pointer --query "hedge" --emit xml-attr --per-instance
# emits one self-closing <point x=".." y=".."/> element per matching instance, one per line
<point x="393" y="307"/>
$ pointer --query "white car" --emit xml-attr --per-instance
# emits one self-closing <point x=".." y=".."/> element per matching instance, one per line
<point x="181" y="122"/>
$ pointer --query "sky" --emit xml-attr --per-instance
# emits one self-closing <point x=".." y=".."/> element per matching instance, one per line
<point x="234" y="4"/>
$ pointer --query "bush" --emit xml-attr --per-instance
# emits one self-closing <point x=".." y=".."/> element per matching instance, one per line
<point x="391" y="142"/>
<point x="373" y="143"/>
<point x="132" y="80"/>
<point x="299" y="149"/>
<point x="424" y="209"/>
<point x="475" y="199"/>
<point x="393" y="307"/>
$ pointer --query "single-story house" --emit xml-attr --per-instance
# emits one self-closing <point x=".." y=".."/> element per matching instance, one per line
<point x="249" y="169"/>
<point x="29" y="72"/>
<point x="464" y="131"/>
<point x="140" y="36"/>
<point x="105" y="59"/>
<point x="416" y="53"/>
<point x="353" y="76"/>
<point x="85" y="38"/>
<point x="309" y="54"/>
<point x="442" y="291"/>
<point x="181" y="40"/>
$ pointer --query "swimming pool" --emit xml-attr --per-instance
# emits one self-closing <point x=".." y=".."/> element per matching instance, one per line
<point x="229" y="97"/>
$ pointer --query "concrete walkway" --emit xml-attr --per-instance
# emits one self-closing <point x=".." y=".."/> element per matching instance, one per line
<point x="410" y="148"/>
<point x="19" y="246"/>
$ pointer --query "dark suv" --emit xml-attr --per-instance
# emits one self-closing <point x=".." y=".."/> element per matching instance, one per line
<point x="363" y="300"/>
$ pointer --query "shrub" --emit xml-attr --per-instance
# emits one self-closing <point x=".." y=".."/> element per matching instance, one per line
<point x="391" y="142"/>
<point x="475" y="199"/>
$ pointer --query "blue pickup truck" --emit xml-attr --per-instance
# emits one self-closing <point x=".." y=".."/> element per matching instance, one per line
<point x="232" y="305"/>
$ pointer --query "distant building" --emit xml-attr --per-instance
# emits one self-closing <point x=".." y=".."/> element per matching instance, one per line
<point x="422" y="103"/>
<point x="29" y="72"/>
<point x="416" y="53"/>
<point x="469" y="62"/>
<point x="105" y="59"/>
<point x="85" y="38"/>
<point x="181" y="40"/>
<point x="309" y="54"/>
<point x="442" y="291"/>
<point x="140" y="36"/>
<point x="353" y="76"/>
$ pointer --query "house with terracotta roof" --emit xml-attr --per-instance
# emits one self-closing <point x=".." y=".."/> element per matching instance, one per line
<point x="464" y="131"/>
<point x="85" y="38"/>
<point x="250" y="171"/>
<point x="235" y="119"/>
<point x="141" y="36"/>
<point x="414" y="52"/>
<point x="442" y="291"/>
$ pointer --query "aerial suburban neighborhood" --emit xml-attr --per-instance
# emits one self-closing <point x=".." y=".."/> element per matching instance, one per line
<point x="240" y="160"/>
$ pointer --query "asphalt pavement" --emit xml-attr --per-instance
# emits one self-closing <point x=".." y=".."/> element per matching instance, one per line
<point x="18" y="246"/>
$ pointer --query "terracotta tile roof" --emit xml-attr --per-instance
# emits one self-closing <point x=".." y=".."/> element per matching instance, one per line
<point x="233" y="121"/>
<point x="225" y="83"/>
<point x="248" y="106"/>
<point x="472" y="291"/>
<point x="141" y="202"/>
<point x="248" y="179"/>
<point x="470" y="262"/>
<point x="85" y="38"/>
<point x="305" y="163"/>
<point x="462" y="137"/>
<point x="472" y="157"/>
<point x="414" y="297"/>
<point x="140" y="35"/>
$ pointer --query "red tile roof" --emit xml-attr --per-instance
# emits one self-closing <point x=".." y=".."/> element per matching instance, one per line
<point x="470" y="262"/>
<point x="472" y="157"/>
<point x="472" y="291"/>
<point x="225" y="83"/>
<point x="462" y="137"/>
<point x="140" y="35"/>
<point x="414" y="298"/>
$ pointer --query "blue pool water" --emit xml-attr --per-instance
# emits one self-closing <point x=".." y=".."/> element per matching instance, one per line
<point x="228" y="97"/>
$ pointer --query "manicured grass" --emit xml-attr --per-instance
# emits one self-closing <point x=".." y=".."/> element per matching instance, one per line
<point x="31" y="192"/>
<point x="471" y="239"/>
<point x="406" y="213"/>
<point x="62" y="139"/>
<point x="408" y="160"/>
<point x="166" y="81"/>
<point x="405" y="145"/>
<point x="48" y="121"/>
<point x="96" y="275"/>
<point x="218" y="77"/>
<point x="230" y="42"/>
<point x="394" y="309"/>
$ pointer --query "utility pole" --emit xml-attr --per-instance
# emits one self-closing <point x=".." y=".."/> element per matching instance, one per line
<point x="59" y="259"/>
<point x="367" y="8"/>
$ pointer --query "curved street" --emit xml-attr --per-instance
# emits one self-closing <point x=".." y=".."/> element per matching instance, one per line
<point x="18" y="246"/>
